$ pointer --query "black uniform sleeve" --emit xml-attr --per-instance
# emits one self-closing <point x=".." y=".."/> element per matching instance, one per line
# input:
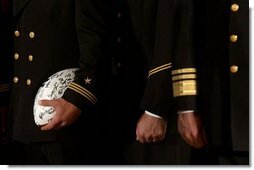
<point x="184" y="73"/>
<point x="171" y="79"/>
<point x="158" y="92"/>
<point x="92" y="25"/>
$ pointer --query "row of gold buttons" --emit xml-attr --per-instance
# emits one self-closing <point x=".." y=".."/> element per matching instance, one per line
<point x="16" y="80"/>
<point x="16" y="57"/>
<point x="31" y="34"/>
<point x="233" y="38"/>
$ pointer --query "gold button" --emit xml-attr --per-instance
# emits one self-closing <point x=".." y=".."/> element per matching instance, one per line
<point x="233" y="38"/>
<point x="15" y="79"/>
<point x="17" y="33"/>
<point x="16" y="56"/>
<point x="234" y="7"/>
<point x="234" y="69"/>
<point x="28" y="82"/>
<point x="31" y="34"/>
<point x="30" y="58"/>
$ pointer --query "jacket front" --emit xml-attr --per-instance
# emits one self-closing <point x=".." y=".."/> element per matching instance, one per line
<point x="224" y="74"/>
<point x="44" y="42"/>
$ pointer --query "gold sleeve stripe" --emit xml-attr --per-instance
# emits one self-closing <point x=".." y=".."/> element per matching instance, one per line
<point x="162" y="66"/>
<point x="4" y="87"/>
<point x="81" y="90"/>
<point x="185" y="70"/>
<point x="76" y="90"/>
<point x="159" y="69"/>
<point x="184" y="76"/>
<point x="82" y="93"/>
<point x="184" y="88"/>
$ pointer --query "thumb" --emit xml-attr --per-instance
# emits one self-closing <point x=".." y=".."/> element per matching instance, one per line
<point x="47" y="102"/>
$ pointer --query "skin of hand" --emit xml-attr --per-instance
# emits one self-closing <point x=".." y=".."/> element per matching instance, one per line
<point x="150" y="129"/>
<point x="66" y="113"/>
<point x="191" y="129"/>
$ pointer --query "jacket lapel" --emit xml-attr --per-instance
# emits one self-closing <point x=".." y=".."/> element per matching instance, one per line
<point x="18" y="5"/>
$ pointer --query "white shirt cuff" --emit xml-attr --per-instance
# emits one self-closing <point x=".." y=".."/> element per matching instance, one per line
<point x="185" y="111"/>
<point x="151" y="114"/>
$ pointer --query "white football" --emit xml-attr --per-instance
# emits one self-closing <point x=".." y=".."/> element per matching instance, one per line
<point x="53" y="88"/>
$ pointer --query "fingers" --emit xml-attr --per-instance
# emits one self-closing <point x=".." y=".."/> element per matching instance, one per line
<point x="201" y="141"/>
<point x="150" y="129"/>
<point x="191" y="130"/>
<point x="142" y="140"/>
<point x="55" y="124"/>
<point x="196" y="140"/>
<point x="139" y="135"/>
<point x="51" y="125"/>
<point x="157" y="139"/>
<point x="47" y="102"/>
<point x="65" y="114"/>
<point x="148" y="138"/>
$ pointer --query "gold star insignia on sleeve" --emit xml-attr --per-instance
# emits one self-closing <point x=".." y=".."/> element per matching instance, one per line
<point x="88" y="80"/>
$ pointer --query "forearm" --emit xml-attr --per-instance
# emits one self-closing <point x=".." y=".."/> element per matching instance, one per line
<point x="92" y="24"/>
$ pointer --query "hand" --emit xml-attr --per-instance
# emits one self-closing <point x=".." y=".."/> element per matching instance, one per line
<point x="191" y="130"/>
<point x="66" y="113"/>
<point x="150" y="129"/>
